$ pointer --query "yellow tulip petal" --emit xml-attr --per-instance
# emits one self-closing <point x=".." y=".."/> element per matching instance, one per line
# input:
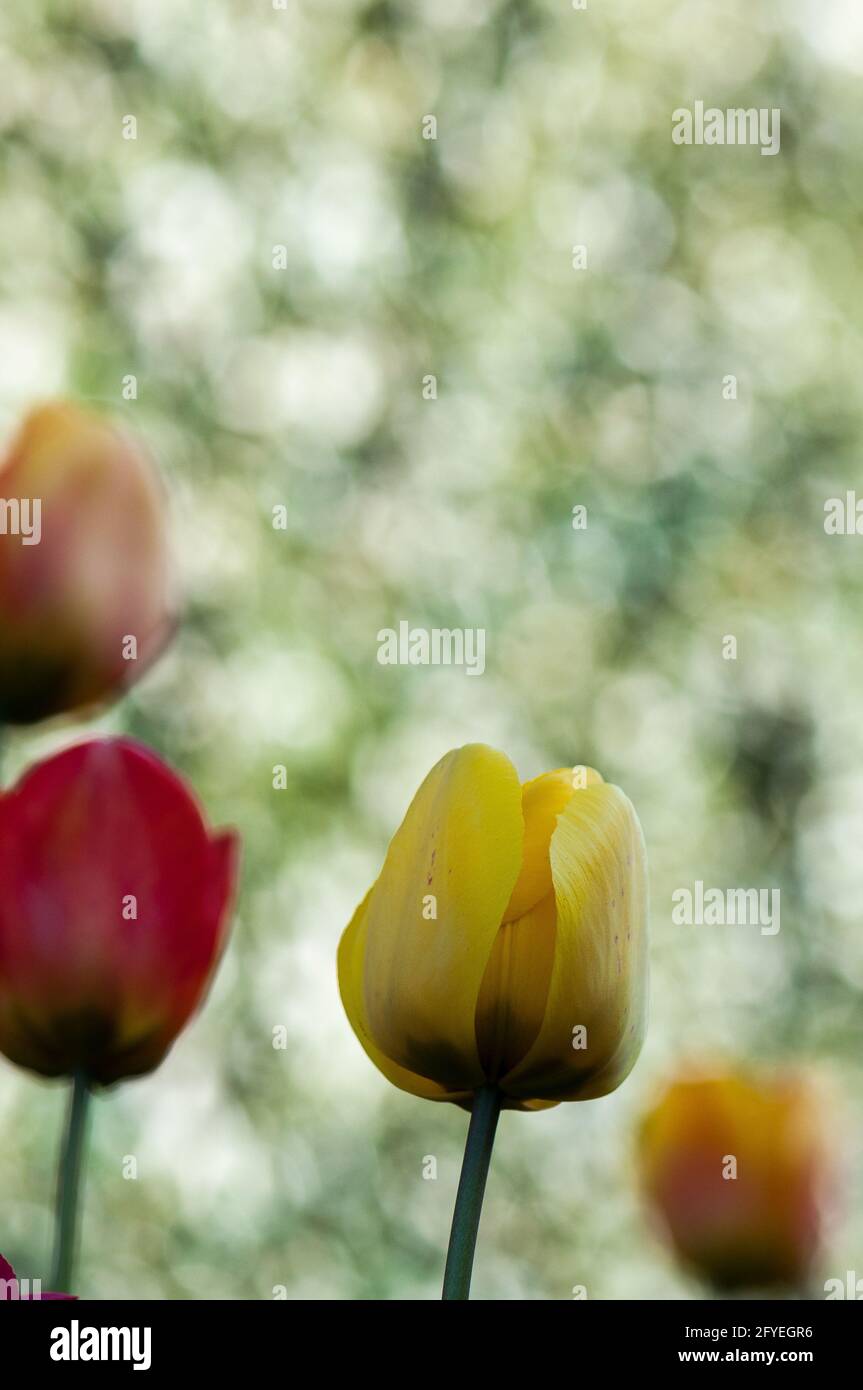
<point x="599" y="978"/>
<point x="350" y="967"/>
<point x="510" y="1103"/>
<point x="458" y="848"/>
<point x="542" y="801"/>
<point x="514" y="989"/>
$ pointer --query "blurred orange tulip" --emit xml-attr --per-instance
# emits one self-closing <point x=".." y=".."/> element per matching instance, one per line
<point x="84" y="589"/>
<point x="735" y="1164"/>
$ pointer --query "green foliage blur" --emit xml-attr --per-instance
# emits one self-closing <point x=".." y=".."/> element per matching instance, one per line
<point x="259" y="128"/>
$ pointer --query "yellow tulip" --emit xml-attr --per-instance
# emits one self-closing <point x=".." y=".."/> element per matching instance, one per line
<point x="539" y="896"/>
<point x="501" y="954"/>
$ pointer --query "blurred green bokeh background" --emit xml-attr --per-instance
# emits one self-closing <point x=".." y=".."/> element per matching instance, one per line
<point x="301" y="128"/>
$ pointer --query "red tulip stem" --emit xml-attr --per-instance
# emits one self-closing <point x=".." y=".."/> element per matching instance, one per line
<point x="69" y="1184"/>
<point x="471" y="1189"/>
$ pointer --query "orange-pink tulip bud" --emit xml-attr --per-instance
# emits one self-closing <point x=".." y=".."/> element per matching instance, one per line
<point x="84" y="589"/>
<point x="736" y="1164"/>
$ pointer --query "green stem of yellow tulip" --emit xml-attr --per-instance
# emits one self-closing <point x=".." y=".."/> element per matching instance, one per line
<point x="471" y="1188"/>
<point x="69" y="1185"/>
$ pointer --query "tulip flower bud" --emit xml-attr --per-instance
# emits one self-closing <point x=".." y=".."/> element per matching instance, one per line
<point x="504" y="942"/>
<point x="114" y="904"/>
<point x="84" y="591"/>
<point x="734" y="1165"/>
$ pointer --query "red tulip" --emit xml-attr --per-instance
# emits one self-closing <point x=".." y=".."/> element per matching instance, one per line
<point x="84" y="590"/>
<point x="114" y="903"/>
<point x="10" y="1288"/>
<point x="735" y="1164"/>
